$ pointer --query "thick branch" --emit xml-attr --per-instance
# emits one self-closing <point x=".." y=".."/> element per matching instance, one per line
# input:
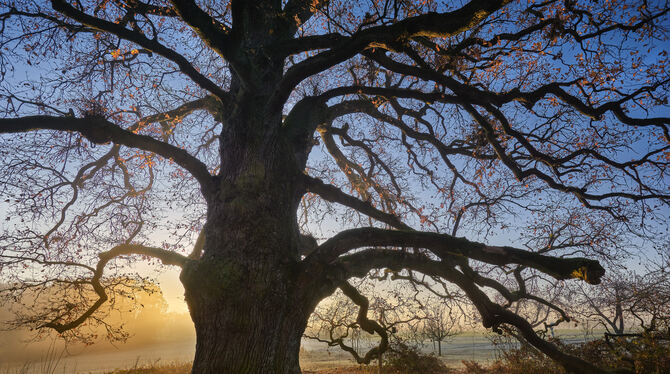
<point x="98" y="130"/>
<point x="365" y="323"/>
<point x="334" y="194"/>
<point x="300" y="11"/>
<point x="476" y="96"/>
<point x="156" y="10"/>
<point x="212" y="32"/>
<point x="428" y="25"/>
<point x="196" y="252"/>
<point x="447" y="246"/>
<point x="493" y="315"/>
<point x="208" y="103"/>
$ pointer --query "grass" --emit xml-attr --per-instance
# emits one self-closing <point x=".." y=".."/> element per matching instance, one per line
<point x="643" y="355"/>
<point x="185" y="368"/>
<point x="47" y="365"/>
<point x="168" y="368"/>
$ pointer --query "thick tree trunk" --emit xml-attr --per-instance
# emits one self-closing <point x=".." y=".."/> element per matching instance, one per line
<point x="247" y="295"/>
<point x="248" y="298"/>
<point x="243" y="325"/>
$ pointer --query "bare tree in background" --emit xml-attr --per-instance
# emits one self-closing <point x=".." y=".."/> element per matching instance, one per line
<point x="627" y="303"/>
<point x="395" y="315"/>
<point x="441" y="323"/>
<point x="410" y="136"/>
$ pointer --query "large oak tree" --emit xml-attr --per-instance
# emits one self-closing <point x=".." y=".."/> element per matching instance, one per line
<point x="131" y="127"/>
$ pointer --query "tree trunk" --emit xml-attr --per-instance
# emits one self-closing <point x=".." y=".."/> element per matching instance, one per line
<point x="439" y="348"/>
<point x="245" y="322"/>
<point x="380" y="363"/>
<point x="247" y="295"/>
<point x="248" y="338"/>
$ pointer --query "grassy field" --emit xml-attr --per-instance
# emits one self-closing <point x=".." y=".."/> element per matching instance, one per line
<point x="314" y="358"/>
<point x="185" y="369"/>
<point x="174" y="368"/>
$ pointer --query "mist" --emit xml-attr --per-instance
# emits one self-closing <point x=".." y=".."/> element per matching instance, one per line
<point x="141" y="321"/>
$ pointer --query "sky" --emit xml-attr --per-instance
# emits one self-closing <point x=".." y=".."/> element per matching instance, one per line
<point x="168" y="277"/>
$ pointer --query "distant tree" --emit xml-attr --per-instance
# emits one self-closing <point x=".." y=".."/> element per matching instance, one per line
<point x="627" y="302"/>
<point x="222" y="136"/>
<point x="441" y="322"/>
<point x="394" y="316"/>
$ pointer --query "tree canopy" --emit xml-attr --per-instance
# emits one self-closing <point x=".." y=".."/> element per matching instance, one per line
<point x="274" y="150"/>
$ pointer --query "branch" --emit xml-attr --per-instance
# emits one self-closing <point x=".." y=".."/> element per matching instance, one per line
<point x="167" y="257"/>
<point x="333" y="194"/>
<point x="470" y="96"/>
<point x="155" y="10"/>
<point x="427" y="25"/>
<point x="213" y="33"/>
<point x="208" y="103"/>
<point x="447" y="246"/>
<point x="476" y="96"/>
<point x="522" y="174"/>
<point x="493" y="315"/>
<point x="141" y="40"/>
<point x="196" y="252"/>
<point x="100" y="131"/>
<point x="366" y="324"/>
<point x="300" y="11"/>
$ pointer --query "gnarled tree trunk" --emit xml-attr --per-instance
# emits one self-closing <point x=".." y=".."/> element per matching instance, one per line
<point x="246" y="292"/>
<point x="245" y="321"/>
<point x="244" y="295"/>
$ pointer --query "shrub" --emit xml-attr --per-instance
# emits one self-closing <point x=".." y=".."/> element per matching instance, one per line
<point x="406" y="359"/>
<point x="643" y="354"/>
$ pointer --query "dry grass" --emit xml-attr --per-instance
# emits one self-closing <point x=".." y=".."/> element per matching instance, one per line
<point x="346" y="370"/>
<point x="173" y="368"/>
<point x="185" y="368"/>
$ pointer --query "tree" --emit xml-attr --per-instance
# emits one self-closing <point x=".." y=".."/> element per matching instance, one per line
<point x="441" y="323"/>
<point x="393" y="314"/>
<point x="130" y="126"/>
<point x="627" y="303"/>
<point x="135" y="317"/>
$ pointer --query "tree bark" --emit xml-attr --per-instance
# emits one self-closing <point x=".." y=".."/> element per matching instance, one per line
<point x="245" y="325"/>
<point x="247" y="297"/>
<point x="247" y="294"/>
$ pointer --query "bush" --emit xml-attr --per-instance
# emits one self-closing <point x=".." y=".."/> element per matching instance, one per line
<point x="516" y="361"/>
<point x="643" y="354"/>
<point x="405" y="359"/>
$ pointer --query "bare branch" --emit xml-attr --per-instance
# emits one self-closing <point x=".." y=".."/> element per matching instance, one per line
<point x="141" y="40"/>
<point x="212" y="32"/>
<point x="493" y="315"/>
<point x="167" y="257"/>
<point x="98" y="130"/>
<point x="447" y="246"/>
<point x="334" y="194"/>
<point x="429" y="25"/>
